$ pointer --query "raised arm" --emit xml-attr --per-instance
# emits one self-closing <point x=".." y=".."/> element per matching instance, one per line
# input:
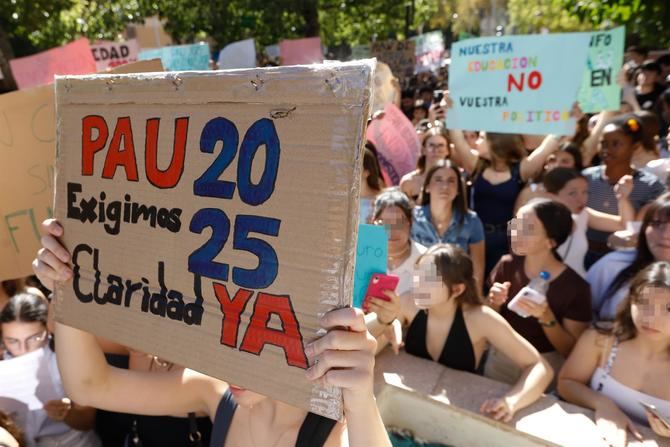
<point x="609" y="222"/>
<point x="464" y="156"/>
<point x="590" y="145"/>
<point x="532" y="165"/>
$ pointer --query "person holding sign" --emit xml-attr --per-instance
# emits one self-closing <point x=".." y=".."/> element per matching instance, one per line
<point x="622" y="371"/>
<point x="448" y="323"/>
<point x="23" y="325"/>
<point x="342" y="358"/>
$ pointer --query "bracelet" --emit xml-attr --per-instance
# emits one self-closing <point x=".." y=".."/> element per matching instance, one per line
<point x="550" y="323"/>
<point x="384" y="324"/>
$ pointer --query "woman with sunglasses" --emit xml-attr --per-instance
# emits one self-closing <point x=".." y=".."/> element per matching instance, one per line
<point x="23" y="324"/>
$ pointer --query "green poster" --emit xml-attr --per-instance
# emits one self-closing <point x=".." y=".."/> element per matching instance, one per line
<point x="599" y="90"/>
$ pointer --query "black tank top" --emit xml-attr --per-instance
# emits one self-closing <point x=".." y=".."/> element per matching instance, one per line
<point x="457" y="353"/>
<point x="314" y="430"/>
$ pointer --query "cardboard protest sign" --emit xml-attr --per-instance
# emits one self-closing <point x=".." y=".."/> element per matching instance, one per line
<point x="398" y="146"/>
<point x="109" y="54"/>
<point x="240" y="54"/>
<point x="40" y="68"/>
<point x="301" y="51"/>
<point x="27" y="155"/>
<point x="517" y="84"/>
<point x="399" y="55"/>
<point x="212" y="217"/>
<point x="429" y="51"/>
<point x="371" y="258"/>
<point x="180" y="57"/>
<point x="600" y="90"/>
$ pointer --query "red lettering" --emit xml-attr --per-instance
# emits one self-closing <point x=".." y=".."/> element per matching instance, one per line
<point x="90" y="146"/>
<point x="231" y="310"/>
<point x="288" y="338"/>
<point x="512" y="82"/>
<point x="534" y="80"/>
<point x="169" y="177"/>
<point x="117" y="157"/>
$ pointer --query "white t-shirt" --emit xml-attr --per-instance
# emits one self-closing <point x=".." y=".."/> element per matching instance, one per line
<point x="659" y="168"/>
<point x="575" y="247"/>
<point x="405" y="271"/>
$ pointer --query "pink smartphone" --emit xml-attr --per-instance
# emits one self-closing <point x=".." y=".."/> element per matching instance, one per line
<point x="378" y="283"/>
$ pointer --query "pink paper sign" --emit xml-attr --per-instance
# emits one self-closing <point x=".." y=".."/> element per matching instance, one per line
<point x="397" y="144"/>
<point x="301" y="51"/>
<point x="39" y="69"/>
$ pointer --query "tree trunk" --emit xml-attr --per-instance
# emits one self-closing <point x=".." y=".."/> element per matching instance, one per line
<point x="7" y="83"/>
<point x="310" y="12"/>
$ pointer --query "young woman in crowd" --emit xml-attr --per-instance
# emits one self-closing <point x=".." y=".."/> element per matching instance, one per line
<point x="23" y="324"/>
<point x="553" y="327"/>
<point x="571" y="189"/>
<point x="343" y="358"/>
<point x="568" y="155"/>
<point x="443" y="216"/>
<point x="615" y="371"/>
<point x="496" y="183"/>
<point x="609" y="278"/>
<point x="372" y="184"/>
<point x="434" y="147"/>
<point x="393" y="211"/>
<point x="448" y="323"/>
<point x="618" y="143"/>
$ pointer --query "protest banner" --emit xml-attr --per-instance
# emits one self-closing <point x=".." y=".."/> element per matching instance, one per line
<point x="213" y="256"/>
<point x="26" y="384"/>
<point x="180" y="57"/>
<point x="240" y="54"/>
<point x="517" y="84"/>
<point x="397" y="144"/>
<point x="600" y="90"/>
<point x="301" y="51"/>
<point x="429" y="51"/>
<point x="39" y="69"/>
<point x="371" y="258"/>
<point x="399" y="55"/>
<point x="27" y="155"/>
<point x="109" y="54"/>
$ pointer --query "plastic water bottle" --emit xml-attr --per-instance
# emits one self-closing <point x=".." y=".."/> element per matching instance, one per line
<point x="535" y="291"/>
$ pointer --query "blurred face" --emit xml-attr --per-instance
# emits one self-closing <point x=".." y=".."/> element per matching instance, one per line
<point x="471" y="138"/>
<point x="575" y="195"/>
<point x="651" y="313"/>
<point x="616" y="148"/>
<point x="443" y="185"/>
<point x="658" y="238"/>
<point x="419" y="114"/>
<point x="528" y="234"/>
<point x="21" y="338"/>
<point x="436" y="148"/>
<point x="245" y="397"/>
<point x="429" y="289"/>
<point x="647" y="77"/>
<point x="396" y="224"/>
<point x="560" y="159"/>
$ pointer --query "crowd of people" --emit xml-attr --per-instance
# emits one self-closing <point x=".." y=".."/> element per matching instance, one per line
<point x="481" y="217"/>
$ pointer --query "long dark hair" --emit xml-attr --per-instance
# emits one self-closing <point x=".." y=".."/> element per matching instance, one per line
<point x="658" y="210"/>
<point x="25" y="307"/>
<point x="455" y="267"/>
<point x="432" y="132"/>
<point x="506" y="146"/>
<point x="556" y="220"/>
<point x="12" y="428"/>
<point x="371" y="164"/>
<point x="656" y="274"/>
<point x="459" y="203"/>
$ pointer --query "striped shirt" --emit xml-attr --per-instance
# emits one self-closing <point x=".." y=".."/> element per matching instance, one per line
<point x="646" y="187"/>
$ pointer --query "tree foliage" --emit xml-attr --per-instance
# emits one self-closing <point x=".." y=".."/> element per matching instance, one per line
<point x="646" y="21"/>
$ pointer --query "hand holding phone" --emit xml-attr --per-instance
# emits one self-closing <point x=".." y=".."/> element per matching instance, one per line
<point x="379" y="282"/>
<point x="653" y="410"/>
